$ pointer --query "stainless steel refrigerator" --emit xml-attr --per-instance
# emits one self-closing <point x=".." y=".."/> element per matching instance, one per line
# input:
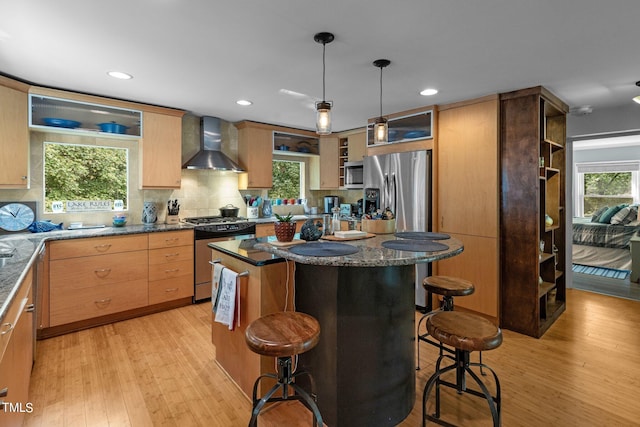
<point x="404" y="184"/>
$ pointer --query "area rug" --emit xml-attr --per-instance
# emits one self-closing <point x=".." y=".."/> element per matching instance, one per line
<point x="601" y="271"/>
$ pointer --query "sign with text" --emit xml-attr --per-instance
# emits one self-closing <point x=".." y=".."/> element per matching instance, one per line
<point x="88" y="205"/>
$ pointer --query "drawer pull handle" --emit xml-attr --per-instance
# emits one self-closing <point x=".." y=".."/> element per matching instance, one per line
<point x="104" y="301"/>
<point x="171" y="289"/>
<point x="4" y="392"/>
<point x="30" y="309"/>
<point x="102" y="248"/>
<point x="173" y="254"/>
<point x="171" y="239"/>
<point x="8" y="326"/>
<point x="173" y="270"/>
<point x="102" y="272"/>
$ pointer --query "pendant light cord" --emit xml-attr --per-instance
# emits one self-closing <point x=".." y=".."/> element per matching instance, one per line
<point x="380" y="91"/>
<point x="324" y="46"/>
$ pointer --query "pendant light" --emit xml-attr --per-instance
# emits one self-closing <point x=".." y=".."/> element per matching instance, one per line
<point x="380" y="128"/>
<point x="323" y="108"/>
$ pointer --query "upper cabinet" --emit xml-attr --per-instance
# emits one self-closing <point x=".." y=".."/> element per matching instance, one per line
<point x="158" y="129"/>
<point x="14" y="135"/>
<point x="52" y="114"/>
<point x="325" y="173"/>
<point x="406" y="126"/>
<point x="255" y="148"/>
<point x="161" y="147"/>
<point x="408" y="131"/>
<point x="258" y="143"/>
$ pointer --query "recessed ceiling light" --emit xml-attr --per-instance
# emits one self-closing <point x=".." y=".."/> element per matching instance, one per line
<point x="429" y="92"/>
<point x="120" y="75"/>
<point x="637" y="99"/>
<point x="243" y="102"/>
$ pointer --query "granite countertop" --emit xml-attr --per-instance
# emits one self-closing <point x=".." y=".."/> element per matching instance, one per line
<point x="244" y="250"/>
<point x="295" y="218"/>
<point x="371" y="253"/>
<point x="26" y="246"/>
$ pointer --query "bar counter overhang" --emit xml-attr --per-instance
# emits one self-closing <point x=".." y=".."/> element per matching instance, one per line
<point x="364" y="364"/>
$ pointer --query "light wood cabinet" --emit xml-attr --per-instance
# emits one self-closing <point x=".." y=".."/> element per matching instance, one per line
<point x="467" y="195"/>
<point x="533" y="135"/>
<point x="14" y="135"/>
<point x="262" y="292"/>
<point x="357" y="143"/>
<point x="161" y="150"/>
<point x="255" y="155"/>
<point x="170" y="266"/>
<point x="16" y="354"/>
<point x="325" y="168"/>
<point x="85" y="285"/>
<point x="264" y="230"/>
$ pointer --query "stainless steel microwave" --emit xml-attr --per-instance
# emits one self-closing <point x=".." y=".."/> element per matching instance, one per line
<point x="353" y="175"/>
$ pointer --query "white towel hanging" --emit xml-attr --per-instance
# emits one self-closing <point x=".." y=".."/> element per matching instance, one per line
<point x="226" y="302"/>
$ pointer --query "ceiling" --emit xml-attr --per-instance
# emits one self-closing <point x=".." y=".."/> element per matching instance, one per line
<point x="203" y="55"/>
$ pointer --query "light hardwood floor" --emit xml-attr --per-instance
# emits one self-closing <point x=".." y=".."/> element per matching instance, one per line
<point x="160" y="370"/>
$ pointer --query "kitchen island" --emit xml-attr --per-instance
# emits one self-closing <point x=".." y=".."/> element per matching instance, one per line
<point x="364" y="364"/>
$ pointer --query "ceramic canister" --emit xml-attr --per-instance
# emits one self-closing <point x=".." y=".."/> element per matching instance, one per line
<point x="149" y="213"/>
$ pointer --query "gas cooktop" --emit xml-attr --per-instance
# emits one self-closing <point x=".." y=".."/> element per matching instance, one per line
<point x="202" y="220"/>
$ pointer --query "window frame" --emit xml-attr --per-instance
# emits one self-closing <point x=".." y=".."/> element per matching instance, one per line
<point x="603" y="167"/>
<point x="127" y="151"/>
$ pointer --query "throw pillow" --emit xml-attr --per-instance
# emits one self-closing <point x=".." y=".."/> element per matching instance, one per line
<point x="598" y="213"/>
<point x="605" y="218"/>
<point x="625" y="215"/>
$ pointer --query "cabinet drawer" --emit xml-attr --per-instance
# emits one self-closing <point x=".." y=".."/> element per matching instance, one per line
<point x="168" y="255"/>
<point x="170" y="270"/>
<point x="78" y="273"/>
<point x="170" y="239"/>
<point x="71" y="305"/>
<point x="96" y="246"/>
<point x="170" y="289"/>
<point x="14" y="311"/>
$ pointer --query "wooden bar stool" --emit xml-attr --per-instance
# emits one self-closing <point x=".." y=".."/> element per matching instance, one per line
<point x="465" y="332"/>
<point x="283" y="335"/>
<point x="448" y="287"/>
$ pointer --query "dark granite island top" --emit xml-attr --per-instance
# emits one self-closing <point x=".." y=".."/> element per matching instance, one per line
<point x="364" y="364"/>
<point x="245" y="250"/>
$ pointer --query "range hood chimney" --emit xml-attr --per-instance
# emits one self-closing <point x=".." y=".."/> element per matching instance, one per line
<point x="210" y="155"/>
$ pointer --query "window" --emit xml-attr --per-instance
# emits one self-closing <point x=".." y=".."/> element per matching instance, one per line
<point x="84" y="178"/>
<point x="287" y="180"/>
<point x="605" y="184"/>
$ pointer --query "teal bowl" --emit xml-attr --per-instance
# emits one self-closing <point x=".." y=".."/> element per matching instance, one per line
<point x="119" y="222"/>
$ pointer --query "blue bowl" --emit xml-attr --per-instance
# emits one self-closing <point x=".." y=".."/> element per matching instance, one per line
<point x="60" y="123"/>
<point x="112" y="127"/>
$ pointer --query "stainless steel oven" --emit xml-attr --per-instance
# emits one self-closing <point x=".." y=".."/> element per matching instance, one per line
<point x="213" y="229"/>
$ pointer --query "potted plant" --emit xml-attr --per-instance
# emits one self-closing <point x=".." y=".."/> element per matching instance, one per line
<point x="284" y="227"/>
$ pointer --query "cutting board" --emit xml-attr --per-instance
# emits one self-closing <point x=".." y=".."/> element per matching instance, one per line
<point x="286" y="244"/>
<point x="344" y="239"/>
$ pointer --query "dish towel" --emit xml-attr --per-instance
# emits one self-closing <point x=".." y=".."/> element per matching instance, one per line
<point x="228" y="299"/>
<point x="215" y="285"/>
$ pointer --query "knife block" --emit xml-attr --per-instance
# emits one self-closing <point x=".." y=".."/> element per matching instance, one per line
<point x="172" y="219"/>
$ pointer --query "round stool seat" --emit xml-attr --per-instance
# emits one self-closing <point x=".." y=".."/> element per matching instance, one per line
<point x="448" y="286"/>
<point x="283" y="334"/>
<point x="464" y="331"/>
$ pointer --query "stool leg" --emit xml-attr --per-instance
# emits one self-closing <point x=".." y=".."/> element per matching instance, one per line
<point x="494" y="405"/>
<point x="258" y="405"/>
<point x="427" y="390"/>
<point x="317" y="418"/>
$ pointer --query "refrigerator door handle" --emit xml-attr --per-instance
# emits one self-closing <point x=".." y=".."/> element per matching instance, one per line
<point x="395" y="194"/>
<point x="385" y="193"/>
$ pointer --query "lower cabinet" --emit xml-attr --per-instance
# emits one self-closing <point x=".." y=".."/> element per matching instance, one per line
<point x="87" y="287"/>
<point x="90" y="278"/>
<point x="16" y="349"/>
<point x="170" y="266"/>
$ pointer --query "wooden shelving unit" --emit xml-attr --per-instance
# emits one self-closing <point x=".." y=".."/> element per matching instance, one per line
<point x="533" y="283"/>
<point x="343" y="156"/>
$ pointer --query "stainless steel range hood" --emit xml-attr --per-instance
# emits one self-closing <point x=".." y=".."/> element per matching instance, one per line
<point x="210" y="155"/>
